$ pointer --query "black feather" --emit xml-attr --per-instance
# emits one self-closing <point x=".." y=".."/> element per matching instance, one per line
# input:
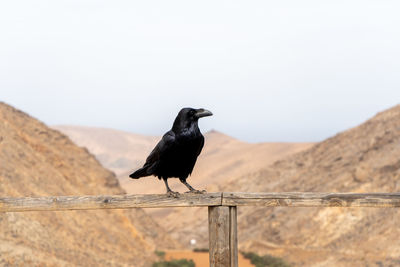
<point x="176" y="153"/>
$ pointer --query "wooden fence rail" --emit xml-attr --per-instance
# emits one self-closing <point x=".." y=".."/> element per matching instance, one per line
<point x="222" y="209"/>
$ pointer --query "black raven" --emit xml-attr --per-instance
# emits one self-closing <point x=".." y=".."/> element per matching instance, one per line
<point x="176" y="153"/>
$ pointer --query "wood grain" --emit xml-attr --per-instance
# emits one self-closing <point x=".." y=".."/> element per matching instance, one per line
<point x="8" y="204"/>
<point x="221" y="207"/>
<point x="222" y="227"/>
<point x="233" y="241"/>
<point x="300" y="199"/>
<point x="218" y="228"/>
<point x="293" y="199"/>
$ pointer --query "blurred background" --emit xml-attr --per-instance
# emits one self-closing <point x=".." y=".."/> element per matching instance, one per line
<point x="305" y="98"/>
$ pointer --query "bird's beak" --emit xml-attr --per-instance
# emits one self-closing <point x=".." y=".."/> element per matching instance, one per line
<point x="201" y="112"/>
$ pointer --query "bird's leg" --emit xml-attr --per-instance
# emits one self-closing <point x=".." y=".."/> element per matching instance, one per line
<point x="170" y="193"/>
<point x="192" y="190"/>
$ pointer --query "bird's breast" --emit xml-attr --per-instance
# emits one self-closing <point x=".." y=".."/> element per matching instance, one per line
<point x="182" y="158"/>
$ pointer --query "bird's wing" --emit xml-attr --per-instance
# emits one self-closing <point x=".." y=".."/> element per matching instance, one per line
<point x="162" y="148"/>
<point x="200" y="146"/>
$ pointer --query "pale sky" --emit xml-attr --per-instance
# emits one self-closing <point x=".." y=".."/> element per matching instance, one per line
<point x="268" y="70"/>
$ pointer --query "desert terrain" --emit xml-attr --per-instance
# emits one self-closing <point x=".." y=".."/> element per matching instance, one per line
<point x="38" y="161"/>
<point x="201" y="259"/>
<point x="223" y="158"/>
<point x="362" y="159"/>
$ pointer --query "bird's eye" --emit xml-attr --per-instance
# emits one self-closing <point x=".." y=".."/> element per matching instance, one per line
<point x="192" y="112"/>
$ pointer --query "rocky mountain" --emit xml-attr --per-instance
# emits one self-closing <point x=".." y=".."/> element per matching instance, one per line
<point x="38" y="161"/>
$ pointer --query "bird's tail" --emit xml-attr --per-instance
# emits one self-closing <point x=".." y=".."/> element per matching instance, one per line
<point x="139" y="173"/>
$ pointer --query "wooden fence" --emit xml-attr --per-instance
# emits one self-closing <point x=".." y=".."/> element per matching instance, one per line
<point x="222" y="209"/>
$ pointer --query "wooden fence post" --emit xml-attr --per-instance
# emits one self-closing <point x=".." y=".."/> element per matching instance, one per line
<point x="222" y="227"/>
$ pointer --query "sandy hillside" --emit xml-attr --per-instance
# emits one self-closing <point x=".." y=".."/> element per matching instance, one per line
<point x="362" y="159"/>
<point x="38" y="161"/>
<point x="118" y="151"/>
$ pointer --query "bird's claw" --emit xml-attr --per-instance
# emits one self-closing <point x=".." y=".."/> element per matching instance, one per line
<point x="173" y="194"/>
<point x="196" y="192"/>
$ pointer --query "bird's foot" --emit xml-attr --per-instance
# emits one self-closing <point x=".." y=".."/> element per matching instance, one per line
<point x="173" y="194"/>
<point x="194" y="191"/>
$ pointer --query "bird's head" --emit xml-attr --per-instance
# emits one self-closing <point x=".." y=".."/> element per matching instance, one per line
<point x="188" y="116"/>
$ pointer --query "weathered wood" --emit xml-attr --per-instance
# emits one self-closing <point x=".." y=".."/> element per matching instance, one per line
<point x="218" y="228"/>
<point x="298" y="199"/>
<point x="222" y="236"/>
<point x="294" y="199"/>
<point x="8" y="204"/>
<point x="233" y="242"/>
<point x="221" y="207"/>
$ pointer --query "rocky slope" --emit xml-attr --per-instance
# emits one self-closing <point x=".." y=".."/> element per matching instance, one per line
<point x="38" y="161"/>
<point x="363" y="159"/>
